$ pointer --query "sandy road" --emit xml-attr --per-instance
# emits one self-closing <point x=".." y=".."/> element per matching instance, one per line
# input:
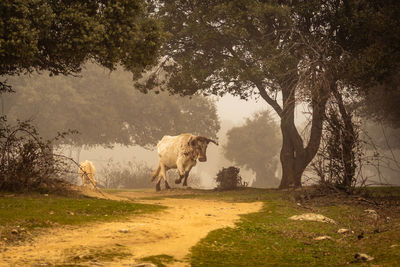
<point x="172" y="232"/>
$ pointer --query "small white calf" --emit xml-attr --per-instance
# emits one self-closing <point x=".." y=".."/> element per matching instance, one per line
<point x="179" y="152"/>
<point x="86" y="172"/>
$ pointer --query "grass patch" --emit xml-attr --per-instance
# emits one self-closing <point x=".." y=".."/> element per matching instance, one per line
<point x="383" y="192"/>
<point x="21" y="214"/>
<point x="269" y="238"/>
<point x="159" y="260"/>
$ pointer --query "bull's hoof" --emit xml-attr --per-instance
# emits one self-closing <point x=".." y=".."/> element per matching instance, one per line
<point x="184" y="184"/>
<point x="158" y="187"/>
<point x="167" y="186"/>
<point x="177" y="181"/>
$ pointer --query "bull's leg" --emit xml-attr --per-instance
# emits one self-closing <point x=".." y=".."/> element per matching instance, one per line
<point x="185" y="180"/>
<point x="187" y="174"/>
<point x="167" y="185"/>
<point x="158" y="187"/>
<point x="161" y="176"/>
<point x="181" y="169"/>
<point x="156" y="172"/>
<point x="179" y="180"/>
<point x="165" y="177"/>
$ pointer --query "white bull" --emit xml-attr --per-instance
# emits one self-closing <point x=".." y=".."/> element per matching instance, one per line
<point x="86" y="172"/>
<point x="179" y="152"/>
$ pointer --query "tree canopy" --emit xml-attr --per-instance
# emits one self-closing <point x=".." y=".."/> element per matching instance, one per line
<point x="286" y="52"/>
<point x="106" y="109"/>
<point x="255" y="146"/>
<point x="248" y="48"/>
<point x="59" y="36"/>
<point x="364" y="35"/>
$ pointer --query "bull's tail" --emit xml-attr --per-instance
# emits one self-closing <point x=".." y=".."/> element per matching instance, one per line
<point x="155" y="173"/>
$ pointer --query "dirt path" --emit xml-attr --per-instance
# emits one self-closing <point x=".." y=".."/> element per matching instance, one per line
<point x="172" y="232"/>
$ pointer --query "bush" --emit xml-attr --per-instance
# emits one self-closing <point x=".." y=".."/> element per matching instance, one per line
<point x="27" y="162"/>
<point x="229" y="179"/>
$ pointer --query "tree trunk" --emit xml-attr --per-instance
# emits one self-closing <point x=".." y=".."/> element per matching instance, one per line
<point x="348" y="144"/>
<point x="294" y="156"/>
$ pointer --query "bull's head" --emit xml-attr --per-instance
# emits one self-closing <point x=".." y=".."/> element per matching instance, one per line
<point x="199" y="145"/>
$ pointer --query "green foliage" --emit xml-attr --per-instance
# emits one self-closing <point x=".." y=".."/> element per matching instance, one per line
<point x="229" y="179"/>
<point x="32" y="212"/>
<point x="59" y="36"/>
<point x="301" y="49"/>
<point x="225" y="46"/>
<point x="159" y="260"/>
<point x="106" y="109"/>
<point x="365" y="36"/>
<point x="255" y="146"/>
<point x="269" y="238"/>
<point x="381" y="103"/>
<point x="253" y="48"/>
<point x="375" y="37"/>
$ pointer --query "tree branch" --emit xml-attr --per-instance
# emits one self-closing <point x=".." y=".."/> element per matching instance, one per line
<point x="273" y="103"/>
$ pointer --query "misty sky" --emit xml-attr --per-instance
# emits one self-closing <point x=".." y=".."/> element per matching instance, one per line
<point x="230" y="109"/>
<point x="236" y="110"/>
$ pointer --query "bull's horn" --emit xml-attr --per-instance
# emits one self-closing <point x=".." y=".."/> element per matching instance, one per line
<point x="210" y="140"/>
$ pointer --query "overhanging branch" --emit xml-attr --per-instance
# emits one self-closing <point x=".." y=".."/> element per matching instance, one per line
<point x="273" y="103"/>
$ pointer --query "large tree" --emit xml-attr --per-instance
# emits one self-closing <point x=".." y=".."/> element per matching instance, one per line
<point x="284" y="51"/>
<point x="59" y="36"/>
<point x="364" y="37"/>
<point x="106" y="109"/>
<point x="255" y="146"/>
<point x="374" y="68"/>
<point x="248" y="48"/>
<point x="361" y="40"/>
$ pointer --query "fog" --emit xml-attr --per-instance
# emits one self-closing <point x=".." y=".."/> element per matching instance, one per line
<point x="112" y="115"/>
<point x="231" y="111"/>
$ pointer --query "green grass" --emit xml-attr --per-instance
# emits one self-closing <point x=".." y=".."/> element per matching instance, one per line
<point x="383" y="191"/>
<point x="269" y="238"/>
<point x="25" y="213"/>
<point x="159" y="260"/>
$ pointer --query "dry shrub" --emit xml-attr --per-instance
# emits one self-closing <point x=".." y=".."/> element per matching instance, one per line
<point x="27" y="162"/>
<point x="132" y="175"/>
<point x="136" y="175"/>
<point x="229" y="179"/>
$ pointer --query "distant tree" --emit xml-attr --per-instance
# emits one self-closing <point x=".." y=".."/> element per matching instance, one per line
<point x="382" y="136"/>
<point x="106" y="109"/>
<point x="381" y="103"/>
<point x="60" y="36"/>
<point x="255" y="146"/>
